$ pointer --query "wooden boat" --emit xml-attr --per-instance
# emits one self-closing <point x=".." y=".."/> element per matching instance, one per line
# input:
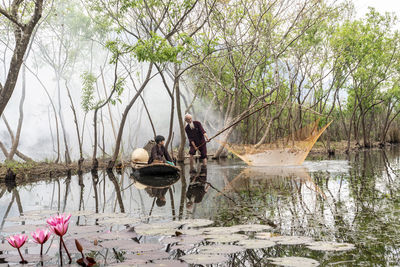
<point x="155" y="169"/>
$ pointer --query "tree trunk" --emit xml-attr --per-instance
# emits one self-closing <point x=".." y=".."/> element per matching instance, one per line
<point x="111" y="163"/>
<point x="365" y="134"/>
<point x="80" y="161"/>
<point x="23" y="33"/>
<point x="66" y="152"/>
<point x="21" y="117"/>
<point x="181" y="149"/>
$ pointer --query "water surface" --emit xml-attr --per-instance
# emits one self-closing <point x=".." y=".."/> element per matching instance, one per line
<point x="351" y="199"/>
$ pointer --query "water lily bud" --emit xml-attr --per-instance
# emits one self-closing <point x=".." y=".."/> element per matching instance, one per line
<point x="78" y="246"/>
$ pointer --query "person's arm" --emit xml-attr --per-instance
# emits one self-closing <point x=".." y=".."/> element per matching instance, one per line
<point x="206" y="187"/>
<point x="206" y="137"/>
<point x="201" y="129"/>
<point x="190" y="138"/>
<point x="166" y="155"/>
<point x="194" y="145"/>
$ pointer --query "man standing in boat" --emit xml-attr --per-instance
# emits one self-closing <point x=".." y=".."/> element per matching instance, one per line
<point x="159" y="153"/>
<point x="197" y="139"/>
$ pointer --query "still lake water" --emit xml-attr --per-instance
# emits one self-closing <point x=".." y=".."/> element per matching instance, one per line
<point x="353" y="199"/>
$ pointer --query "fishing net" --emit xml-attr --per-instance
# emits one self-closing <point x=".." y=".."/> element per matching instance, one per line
<point x="288" y="151"/>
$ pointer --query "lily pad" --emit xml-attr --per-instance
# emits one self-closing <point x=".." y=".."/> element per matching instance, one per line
<point x="25" y="218"/>
<point x="144" y="247"/>
<point x="28" y="257"/>
<point x="118" y="235"/>
<point x="204" y="258"/>
<point x="330" y="246"/>
<point x="40" y="212"/>
<point x="166" y="263"/>
<point x="251" y="227"/>
<point x="291" y="240"/>
<point x="196" y="222"/>
<point x="171" y="224"/>
<point x="85" y="229"/>
<point x="183" y="239"/>
<point x="118" y="244"/>
<point x="85" y="213"/>
<point x="119" y="221"/>
<point x="184" y="247"/>
<point x="157" y="232"/>
<point x="21" y="228"/>
<point x="220" y="230"/>
<point x="106" y="215"/>
<point x="167" y="228"/>
<point x="264" y="235"/>
<point x="256" y="243"/>
<point x="192" y="231"/>
<point x="147" y="256"/>
<point x="128" y="263"/>
<point x="220" y="249"/>
<point x="225" y="238"/>
<point x="294" y="261"/>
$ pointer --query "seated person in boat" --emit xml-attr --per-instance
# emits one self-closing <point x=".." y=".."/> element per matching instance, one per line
<point x="159" y="153"/>
<point x="197" y="139"/>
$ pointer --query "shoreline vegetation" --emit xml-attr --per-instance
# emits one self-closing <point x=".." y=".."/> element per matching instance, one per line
<point x="28" y="172"/>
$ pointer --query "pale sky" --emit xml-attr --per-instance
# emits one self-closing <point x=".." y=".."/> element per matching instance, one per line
<point x="382" y="6"/>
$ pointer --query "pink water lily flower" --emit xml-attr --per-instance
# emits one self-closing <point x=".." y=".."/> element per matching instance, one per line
<point x="41" y="236"/>
<point x="17" y="241"/>
<point x="59" y="229"/>
<point x="58" y="224"/>
<point x="57" y="219"/>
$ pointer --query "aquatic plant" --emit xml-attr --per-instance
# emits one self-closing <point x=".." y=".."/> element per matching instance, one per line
<point x="58" y="224"/>
<point x="40" y="236"/>
<point x="84" y="261"/>
<point x="17" y="241"/>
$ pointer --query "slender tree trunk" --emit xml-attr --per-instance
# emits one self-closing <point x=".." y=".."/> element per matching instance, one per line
<point x="95" y="162"/>
<point x="64" y="132"/>
<point x="80" y="161"/>
<point x="4" y="149"/>
<point x="111" y="163"/>
<point x="365" y="134"/>
<point x="181" y="149"/>
<point x="171" y="95"/>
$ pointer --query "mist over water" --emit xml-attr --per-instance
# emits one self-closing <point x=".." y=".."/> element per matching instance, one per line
<point x="38" y="141"/>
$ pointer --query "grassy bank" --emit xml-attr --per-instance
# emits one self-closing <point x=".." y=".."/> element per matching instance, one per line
<point x="36" y="171"/>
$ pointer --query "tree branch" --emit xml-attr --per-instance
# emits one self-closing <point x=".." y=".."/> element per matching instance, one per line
<point x="11" y="18"/>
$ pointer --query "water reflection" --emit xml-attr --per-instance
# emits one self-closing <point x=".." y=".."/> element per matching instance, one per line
<point x="356" y="203"/>
<point x="198" y="186"/>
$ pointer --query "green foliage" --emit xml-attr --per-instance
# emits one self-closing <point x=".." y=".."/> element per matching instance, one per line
<point x="119" y="88"/>
<point x="16" y="165"/>
<point x="88" y="80"/>
<point x="154" y="49"/>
